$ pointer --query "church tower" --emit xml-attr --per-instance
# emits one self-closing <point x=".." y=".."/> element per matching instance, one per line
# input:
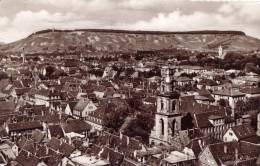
<point x="167" y="117"/>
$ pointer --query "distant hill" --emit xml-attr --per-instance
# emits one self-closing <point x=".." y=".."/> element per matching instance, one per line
<point x="129" y="41"/>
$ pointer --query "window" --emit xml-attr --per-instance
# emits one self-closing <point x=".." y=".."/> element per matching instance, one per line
<point x="230" y="133"/>
<point x="173" y="105"/>
<point x="162" y="126"/>
<point x="162" y="105"/>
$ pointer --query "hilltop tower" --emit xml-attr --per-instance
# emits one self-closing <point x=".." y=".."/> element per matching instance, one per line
<point x="167" y="117"/>
<point x="221" y="52"/>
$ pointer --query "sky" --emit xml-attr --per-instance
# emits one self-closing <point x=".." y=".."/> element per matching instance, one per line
<point x="20" y="18"/>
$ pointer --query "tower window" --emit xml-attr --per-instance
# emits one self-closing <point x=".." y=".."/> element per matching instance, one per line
<point x="163" y="88"/>
<point x="173" y="127"/>
<point x="162" y="105"/>
<point x="162" y="126"/>
<point x="173" y="105"/>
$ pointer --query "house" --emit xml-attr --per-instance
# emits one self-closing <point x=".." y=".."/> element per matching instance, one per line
<point x="9" y="150"/>
<point x="46" y="96"/>
<point x="95" y="119"/>
<point x="182" y="81"/>
<point x="76" y="128"/>
<point x="208" y="84"/>
<point x="229" y="153"/>
<point x="177" y="158"/>
<point x="229" y="95"/>
<point x="69" y="107"/>
<point x="55" y="131"/>
<point x="83" y="108"/>
<point x="191" y="69"/>
<point x="16" y="130"/>
<point x="237" y="133"/>
<point x="150" y="100"/>
<point x="251" y="92"/>
<point x="211" y="120"/>
<point x="59" y="145"/>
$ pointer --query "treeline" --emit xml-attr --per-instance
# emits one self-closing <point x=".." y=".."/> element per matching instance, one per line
<point x="233" y="60"/>
<point x="213" y="32"/>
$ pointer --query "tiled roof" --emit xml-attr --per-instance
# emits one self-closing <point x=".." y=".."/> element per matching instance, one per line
<point x="56" y="131"/>
<point x="243" y="131"/>
<point x="81" y="105"/>
<point x="25" y="126"/>
<point x="7" y="106"/>
<point x="29" y="160"/>
<point x="61" y="146"/>
<point x="202" y="119"/>
<point x="183" y="79"/>
<point x="250" y="90"/>
<point x="228" y="92"/>
<point x="194" y="107"/>
<point x="37" y="136"/>
<point x="115" y="158"/>
<point x="253" y="139"/>
<point x="226" y="151"/>
<point x="77" y="126"/>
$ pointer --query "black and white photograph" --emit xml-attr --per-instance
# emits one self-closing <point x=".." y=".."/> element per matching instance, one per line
<point x="129" y="82"/>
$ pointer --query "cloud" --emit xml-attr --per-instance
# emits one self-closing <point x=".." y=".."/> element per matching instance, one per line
<point x="21" y="18"/>
<point x="27" y="22"/>
<point x="177" y="21"/>
<point x="3" y="21"/>
<point x="229" y="16"/>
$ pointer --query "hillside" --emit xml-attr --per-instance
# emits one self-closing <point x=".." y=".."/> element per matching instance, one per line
<point x="128" y="41"/>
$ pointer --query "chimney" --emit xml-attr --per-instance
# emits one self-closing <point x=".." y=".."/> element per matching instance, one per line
<point x="59" y="114"/>
<point x="225" y="148"/>
<point x="236" y="154"/>
<point x="47" y="150"/>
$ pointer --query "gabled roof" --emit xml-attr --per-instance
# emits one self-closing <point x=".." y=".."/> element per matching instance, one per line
<point x="37" y="136"/>
<point x="82" y="104"/>
<point x="202" y="119"/>
<point x="225" y="152"/>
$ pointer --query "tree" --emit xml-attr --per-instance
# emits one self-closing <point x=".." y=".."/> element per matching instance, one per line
<point x="49" y="70"/>
<point x="223" y="102"/>
<point x="232" y="75"/>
